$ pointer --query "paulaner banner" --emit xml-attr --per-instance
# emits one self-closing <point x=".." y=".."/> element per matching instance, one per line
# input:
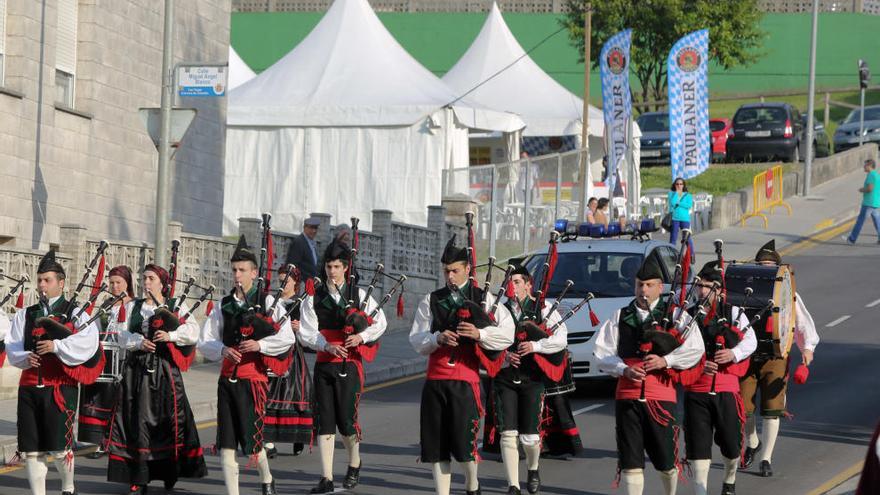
<point x="687" y="69"/>
<point x="616" y="101"/>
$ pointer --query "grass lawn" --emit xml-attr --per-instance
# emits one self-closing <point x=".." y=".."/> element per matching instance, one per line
<point x="717" y="180"/>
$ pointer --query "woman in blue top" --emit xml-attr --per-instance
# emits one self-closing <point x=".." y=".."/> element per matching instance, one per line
<point x="680" y="204"/>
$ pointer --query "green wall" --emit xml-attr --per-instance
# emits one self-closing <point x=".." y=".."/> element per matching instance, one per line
<point x="437" y="40"/>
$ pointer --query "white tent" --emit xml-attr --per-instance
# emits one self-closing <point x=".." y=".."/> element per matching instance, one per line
<point x="239" y="72"/>
<point x="496" y="72"/>
<point x="345" y="123"/>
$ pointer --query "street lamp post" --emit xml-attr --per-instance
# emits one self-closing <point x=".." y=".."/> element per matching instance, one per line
<point x="160" y="255"/>
<point x="811" y="90"/>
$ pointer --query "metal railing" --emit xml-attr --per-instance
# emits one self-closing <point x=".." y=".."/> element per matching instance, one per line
<point x="766" y="195"/>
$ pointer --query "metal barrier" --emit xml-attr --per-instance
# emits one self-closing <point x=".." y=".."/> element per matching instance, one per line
<point x="766" y="195"/>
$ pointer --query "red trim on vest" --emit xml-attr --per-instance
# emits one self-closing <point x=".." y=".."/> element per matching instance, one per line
<point x="658" y="386"/>
<point x="553" y="371"/>
<point x="337" y="337"/>
<point x="250" y="368"/>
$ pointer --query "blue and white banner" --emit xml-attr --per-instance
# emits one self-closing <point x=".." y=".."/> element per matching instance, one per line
<point x="616" y="101"/>
<point x="687" y="69"/>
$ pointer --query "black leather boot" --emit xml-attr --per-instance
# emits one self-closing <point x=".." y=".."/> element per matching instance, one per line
<point x="728" y="489"/>
<point x="352" y="477"/>
<point x="269" y="488"/>
<point x="323" y="486"/>
<point x="766" y="470"/>
<point x="533" y="481"/>
<point x="749" y="455"/>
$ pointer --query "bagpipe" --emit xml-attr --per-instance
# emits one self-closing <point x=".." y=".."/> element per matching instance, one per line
<point x="17" y="288"/>
<point x="534" y="327"/>
<point x="356" y="318"/>
<point x="166" y="316"/>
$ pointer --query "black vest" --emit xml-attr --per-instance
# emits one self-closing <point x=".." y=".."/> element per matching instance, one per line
<point x="631" y="331"/>
<point x="331" y="315"/>
<point x="233" y="313"/>
<point x="444" y="306"/>
<point x="136" y="318"/>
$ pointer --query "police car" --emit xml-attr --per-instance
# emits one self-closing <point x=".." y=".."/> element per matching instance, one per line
<point x="604" y="263"/>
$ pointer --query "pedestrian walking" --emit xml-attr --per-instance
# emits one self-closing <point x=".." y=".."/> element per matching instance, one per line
<point x="870" y="202"/>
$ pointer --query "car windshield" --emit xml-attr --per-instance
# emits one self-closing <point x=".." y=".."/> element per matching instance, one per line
<point x="716" y="125"/>
<point x="653" y="122"/>
<point x="766" y="115"/>
<point x="871" y="113"/>
<point x="603" y="274"/>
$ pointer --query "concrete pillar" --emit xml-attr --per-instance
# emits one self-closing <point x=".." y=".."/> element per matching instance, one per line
<point x="175" y="231"/>
<point x="382" y="227"/>
<point x="73" y="244"/>
<point x="250" y="229"/>
<point x="437" y="223"/>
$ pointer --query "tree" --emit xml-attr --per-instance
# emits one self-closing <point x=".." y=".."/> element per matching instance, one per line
<point x="734" y="34"/>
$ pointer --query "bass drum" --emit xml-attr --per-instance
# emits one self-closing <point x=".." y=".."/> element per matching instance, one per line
<point x="767" y="283"/>
<point x="564" y="385"/>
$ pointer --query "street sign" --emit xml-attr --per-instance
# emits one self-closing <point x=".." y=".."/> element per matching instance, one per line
<point x="201" y="80"/>
<point x="181" y="118"/>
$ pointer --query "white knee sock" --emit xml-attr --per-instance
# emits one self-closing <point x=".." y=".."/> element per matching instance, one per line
<point x="510" y="457"/>
<point x="442" y="477"/>
<point x="471" y="482"/>
<point x="230" y="470"/>
<point x="769" y="431"/>
<point x="632" y="481"/>
<point x="64" y="470"/>
<point x="263" y="467"/>
<point x="36" y="472"/>
<point x="532" y="446"/>
<point x="730" y="466"/>
<point x="325" y="447"/>
<point x="701" y="475"/>
<point x="752" y="431"/>
<point x="670" y="481"/>
<point x="353" y="446"/>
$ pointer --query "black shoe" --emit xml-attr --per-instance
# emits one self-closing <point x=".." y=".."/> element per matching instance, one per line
<point x="478" y="491"/>
<point x="169" y="485"/>
<point x="97" y="454"/>
<point x="749" y="455"/>
<point x="512" y="490"/>
<point x="298" y="448"/>
<point x="135" y="490"/>
<point x="534" y="481"/>
<point x="352" y="477"/>
<point x="271" y="452"/>
<point x="728" y="489"/>
<point x="269" y="488"/>
<point x="766" y="470"/>
<point x="323" y="486"/>
<point x="69" y="493"/>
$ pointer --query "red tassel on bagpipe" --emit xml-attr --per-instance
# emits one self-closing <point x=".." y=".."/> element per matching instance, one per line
<point x="801" y="374"/>
<point x="120" y="315"/>
<point x="270" y="256"/>
<point x="685" y="270"/>
<point x="594" y="319"/>
<point x="19" y="303"/>
<point x="509" y="291"/>
<point x="209" y="308"/>
<point x="400" y="305"/>
<point x="310" y="287"/>
<point x="99" y="278"/>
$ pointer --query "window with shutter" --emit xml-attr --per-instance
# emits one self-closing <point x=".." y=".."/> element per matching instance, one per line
<point x="65" y="52"/>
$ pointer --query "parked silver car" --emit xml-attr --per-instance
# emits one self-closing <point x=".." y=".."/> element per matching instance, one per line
<point x="847" y="134"/>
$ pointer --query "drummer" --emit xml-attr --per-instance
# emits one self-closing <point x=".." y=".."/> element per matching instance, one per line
<point x="767" y="371"/>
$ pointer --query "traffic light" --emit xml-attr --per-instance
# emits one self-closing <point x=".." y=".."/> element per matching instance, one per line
<point x="864" y="74"/>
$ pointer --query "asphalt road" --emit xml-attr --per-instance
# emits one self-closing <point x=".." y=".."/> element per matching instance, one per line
<point x="834" y="413"/>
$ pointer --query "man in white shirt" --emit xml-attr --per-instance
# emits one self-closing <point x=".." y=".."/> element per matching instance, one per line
<point x="627" y="348"/>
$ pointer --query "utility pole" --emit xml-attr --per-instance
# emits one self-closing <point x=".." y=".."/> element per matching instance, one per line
<point x="160" y="252"/>
<point x="583" y="173"/>
<point x="811" y="90"/>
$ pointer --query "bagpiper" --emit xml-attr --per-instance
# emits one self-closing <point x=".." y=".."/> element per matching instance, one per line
<point x="57" y="349"/>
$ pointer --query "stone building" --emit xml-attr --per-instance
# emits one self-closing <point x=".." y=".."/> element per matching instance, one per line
<point x="73" y="149"/>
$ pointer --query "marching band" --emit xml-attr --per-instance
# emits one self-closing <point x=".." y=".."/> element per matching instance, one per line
<point x="113" y="370"/>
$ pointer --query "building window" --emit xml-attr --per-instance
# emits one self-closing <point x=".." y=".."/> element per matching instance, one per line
<point x="65" y="53"/>
<point x="63" y="88"/>
<point x="480" y="155"/>
<point x="2" y="41"/>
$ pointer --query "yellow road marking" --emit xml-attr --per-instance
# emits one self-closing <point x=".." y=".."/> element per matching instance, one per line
<point x="840" y="478"/>
<point x="824" y="224"/>
<point x="814" y="239"/>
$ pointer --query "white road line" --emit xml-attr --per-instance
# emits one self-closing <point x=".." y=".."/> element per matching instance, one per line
<point x="838" y="321"/>
<point x="872" y="304"/>
<point x="588" y="408"/>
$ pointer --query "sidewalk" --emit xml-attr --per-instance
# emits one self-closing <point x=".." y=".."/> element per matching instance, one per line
<point x="830" y="204"/>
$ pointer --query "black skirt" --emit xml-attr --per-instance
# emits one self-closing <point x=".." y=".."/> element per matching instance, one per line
<point x="289" y="403"/>
<point x="96" y="403"/>
<point x="153" y="434"/>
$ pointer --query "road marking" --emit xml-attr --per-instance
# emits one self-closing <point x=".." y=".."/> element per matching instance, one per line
<point x="814" y="239"/>
<point x="838" y="321"/>
<point x="394" y="382"/>
<point x="824" y="224"/>
<point x="840" y="478"/>
<point x="872" y="304"/>
<point x="588" y="408"/>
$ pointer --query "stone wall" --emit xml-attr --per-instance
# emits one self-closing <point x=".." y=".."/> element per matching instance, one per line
<point x="95" y="163"/>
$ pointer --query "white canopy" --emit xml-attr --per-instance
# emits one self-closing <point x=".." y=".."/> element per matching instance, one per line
<point x="239" y="72"/>
<point x="519" y="85"/>
<point x="345" y="123"/>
